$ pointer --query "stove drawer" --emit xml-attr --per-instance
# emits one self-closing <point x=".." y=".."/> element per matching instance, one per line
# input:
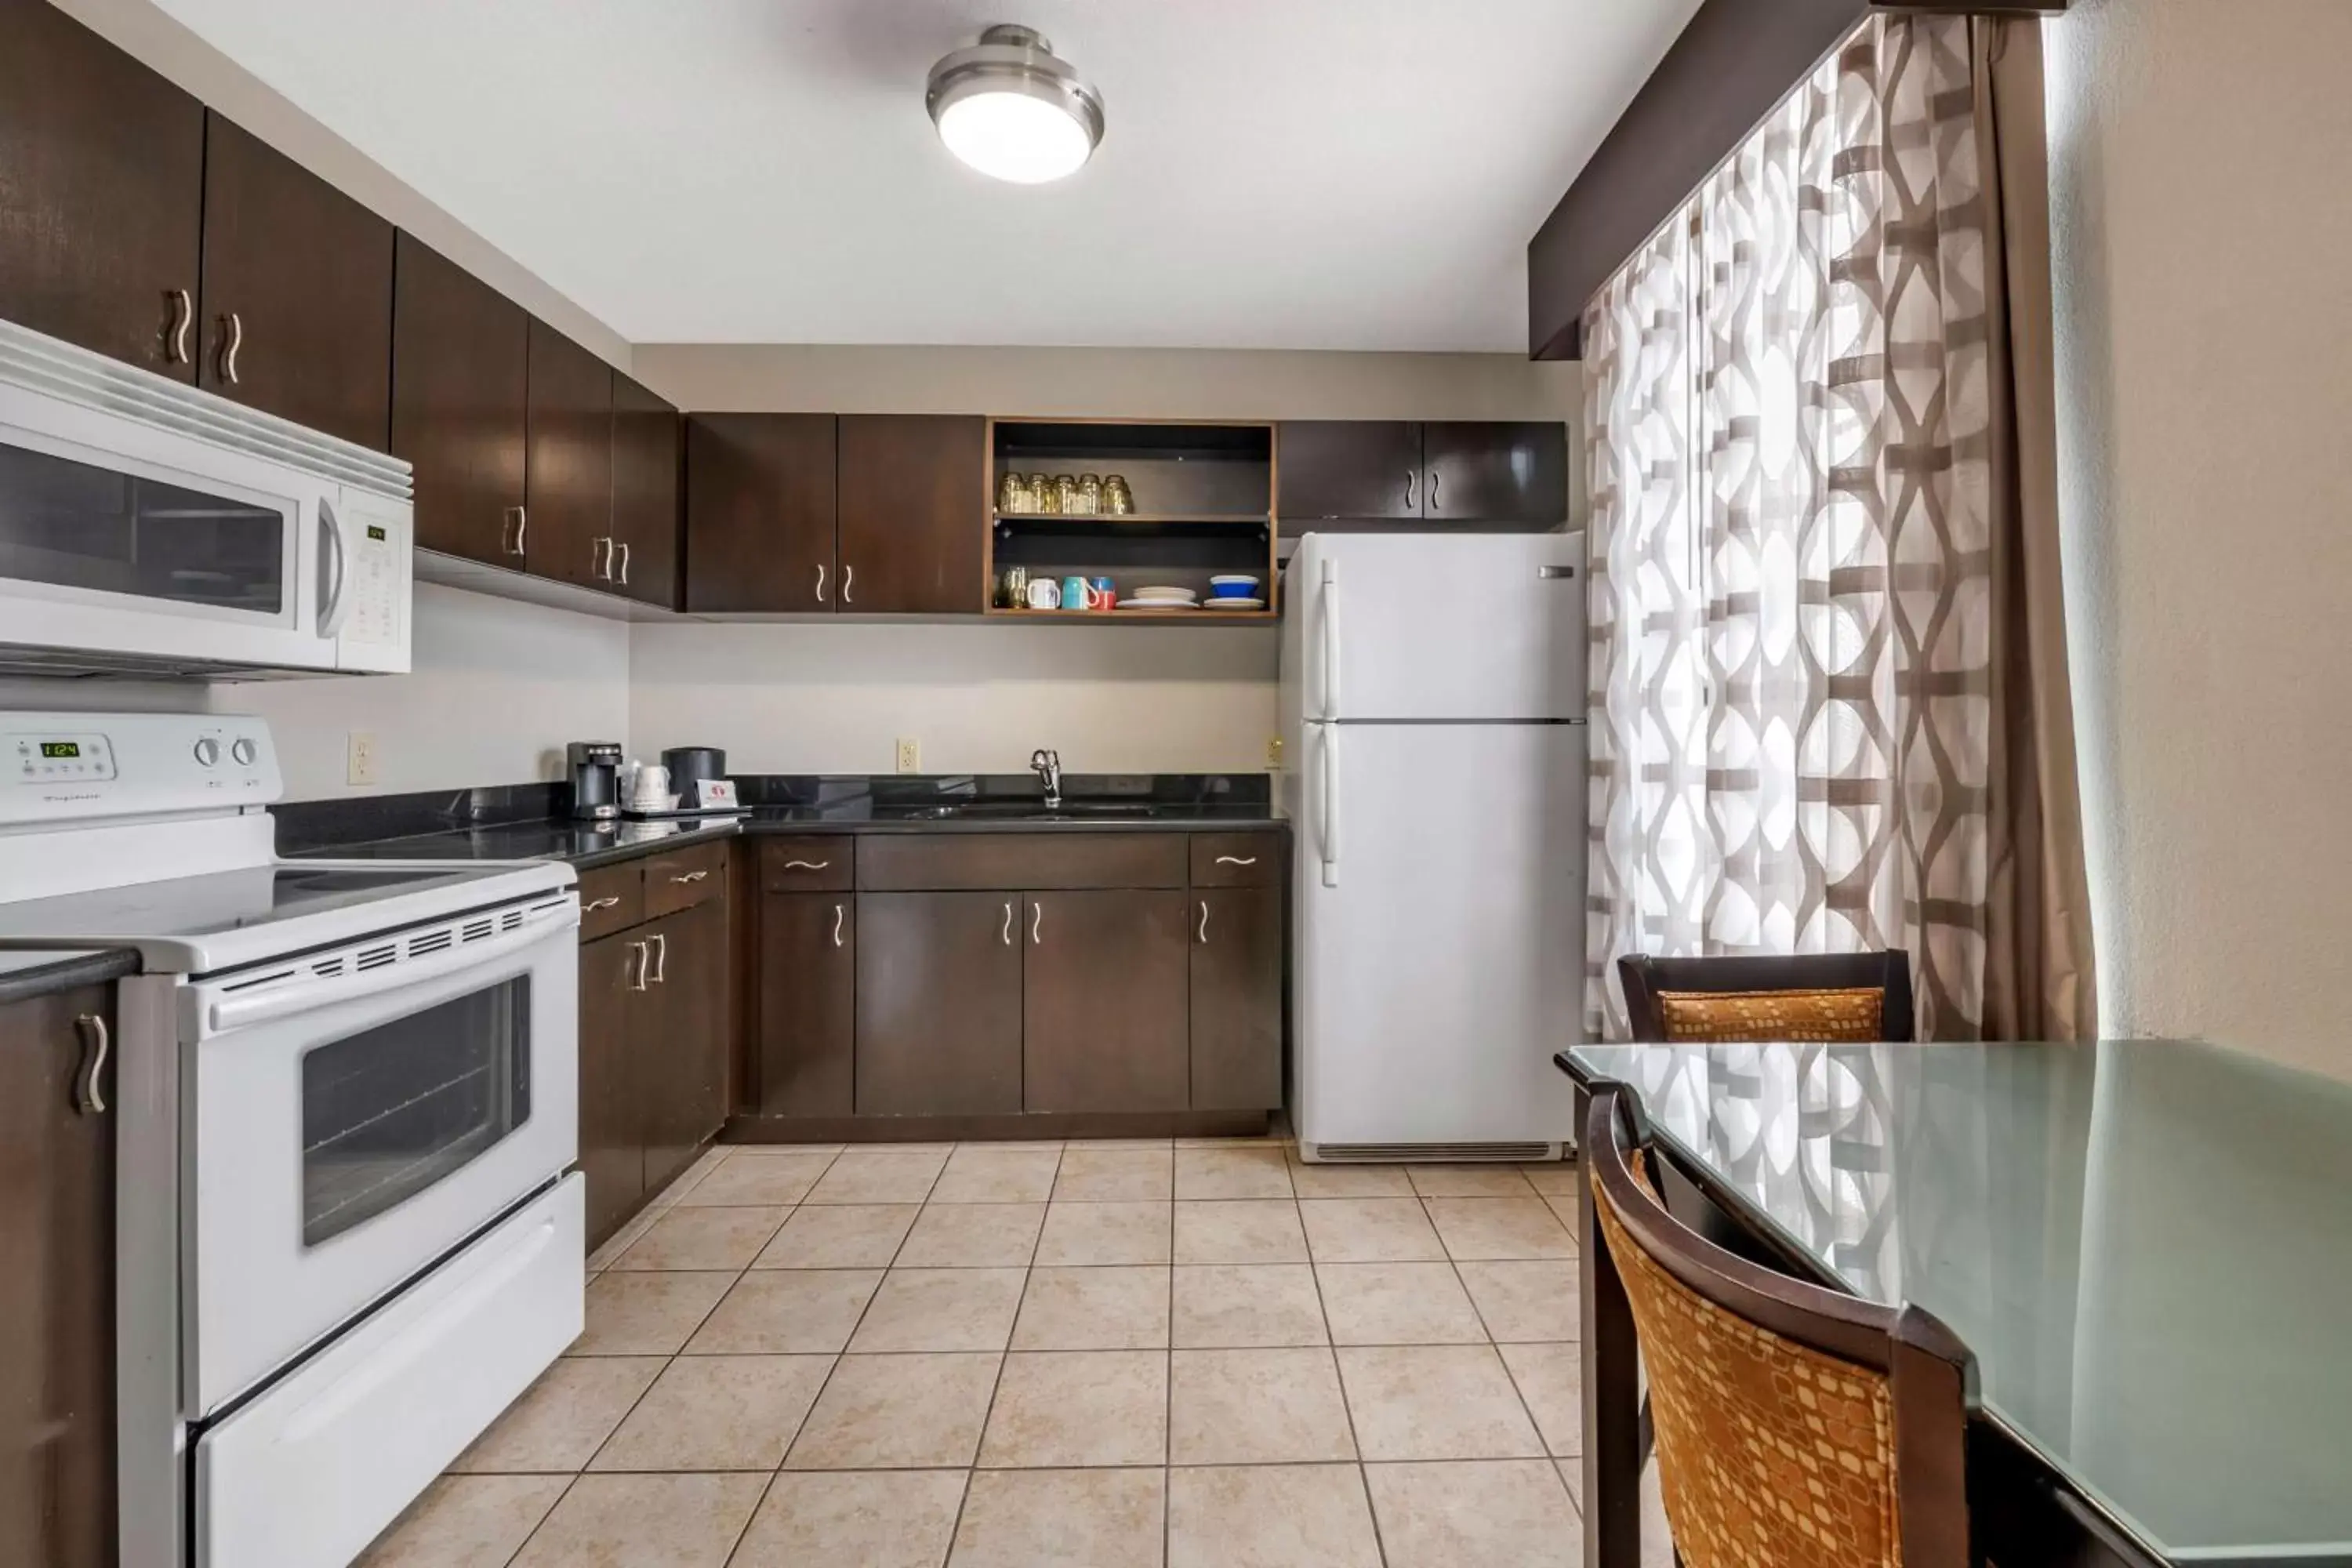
<point x="314" y="1466"/>
<point x="681" y="879"/>
<point x="612" y="898"/>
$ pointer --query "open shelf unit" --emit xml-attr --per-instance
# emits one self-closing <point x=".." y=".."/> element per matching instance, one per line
<point x="1205" y="497"/>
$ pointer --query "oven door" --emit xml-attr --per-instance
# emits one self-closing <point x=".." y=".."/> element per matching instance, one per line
<point x="120" y="540"/>
<point x="350" y="1117"/>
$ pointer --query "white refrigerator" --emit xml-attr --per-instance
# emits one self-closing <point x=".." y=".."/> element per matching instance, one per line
<point x="1432" y="713"/>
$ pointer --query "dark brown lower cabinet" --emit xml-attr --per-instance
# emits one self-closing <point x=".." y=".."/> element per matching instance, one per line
<point x="939" y="1004"/>
<point x="682" y="1052"/>
<point x="1104" y="990"/>
<point x="612" y="1138"/>
<point x="57" y="1288"/>
<point x="808" y="1003"/>
<point x="1237" y="988"/>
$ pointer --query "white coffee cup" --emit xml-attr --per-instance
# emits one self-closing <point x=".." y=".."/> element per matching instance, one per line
<point x="649" y="787"/>
<point x="1044" y="594"/>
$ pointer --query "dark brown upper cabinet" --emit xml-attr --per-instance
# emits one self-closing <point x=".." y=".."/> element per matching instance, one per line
<point x="101" y="193"/>
<point x="646" y="436"/>
<point x="460" y="387"/>
<point x="1351" y="467"/>
<point x="913" y="514"/>
<point x="760" y="513"/>
<point x="297" y="297"/>
<point x="568" y="472"/>
<point x="57" y="1495"/>
<point x="1495" y="471"/>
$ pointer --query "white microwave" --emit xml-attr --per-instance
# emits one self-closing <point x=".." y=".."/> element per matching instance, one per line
<point x="149" y="528"/>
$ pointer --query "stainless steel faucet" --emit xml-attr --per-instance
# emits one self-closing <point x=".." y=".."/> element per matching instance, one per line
<point x="1047" y="765"/>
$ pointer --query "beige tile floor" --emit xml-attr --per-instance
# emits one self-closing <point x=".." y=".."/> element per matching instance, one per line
<point x="1108" y="1354"/>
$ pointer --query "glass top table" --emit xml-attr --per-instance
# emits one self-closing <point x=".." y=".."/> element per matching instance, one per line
<point x="2147" y="1245"/>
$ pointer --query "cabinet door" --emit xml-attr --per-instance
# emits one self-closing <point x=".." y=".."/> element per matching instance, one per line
<point x="57" y="1291"/>
<point x="913" y="514"/>
<point x="808" y="1004"/>
<point x="460" y="382"/>
<point x="646" y="522"/>
<point x="1347" y="468"/>
<point x="760" y="511"/>
<point x="296" y="296"/>
<point x="1236" y="984"/>
<point x="681" y="1045"/>
<point x="1495" y="472"/>
<point x="1104" y="996"/>
<point x="101" y="193"/>
<point x="568" y="469"/>
<point x="939" y="1004"/>
<point x="612" y="1120"/>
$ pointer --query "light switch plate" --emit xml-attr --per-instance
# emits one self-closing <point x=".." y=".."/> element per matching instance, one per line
<point x="910" y="754"/>
<point x="358" y="761"/>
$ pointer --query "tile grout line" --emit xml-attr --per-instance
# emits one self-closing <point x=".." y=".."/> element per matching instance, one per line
<point x="1543" y="1445"/>
<point x="1363" y="1477"/>
<point x="1167" y="1387"/>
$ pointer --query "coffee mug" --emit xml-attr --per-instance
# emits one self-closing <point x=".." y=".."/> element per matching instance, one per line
<point x="1106" y="596"/>
<point x="1044" y="594"/>
<point x="1077" y="594"/>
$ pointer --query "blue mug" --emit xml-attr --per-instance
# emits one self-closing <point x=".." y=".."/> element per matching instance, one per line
<point x="1077" y="594"/>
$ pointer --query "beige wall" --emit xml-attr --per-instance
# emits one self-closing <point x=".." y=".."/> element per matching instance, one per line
<point x="145" y="31"/>
<point x="834" y="698"/>
<point x="2201" y="227"/>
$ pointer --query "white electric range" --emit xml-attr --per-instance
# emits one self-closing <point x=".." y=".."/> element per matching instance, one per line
<point x="347" y="1095"/>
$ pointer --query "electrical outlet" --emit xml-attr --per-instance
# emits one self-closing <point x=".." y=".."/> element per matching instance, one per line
<point x="910" y="755"/>
<point x="358" y="758"/>
<point x="1273" y="752"/>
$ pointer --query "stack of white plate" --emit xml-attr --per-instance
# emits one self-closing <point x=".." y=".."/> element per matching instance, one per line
<point x="1161" y="598"/>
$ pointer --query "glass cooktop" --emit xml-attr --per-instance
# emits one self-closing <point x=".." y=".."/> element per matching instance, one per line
<point x="223" y="900"/>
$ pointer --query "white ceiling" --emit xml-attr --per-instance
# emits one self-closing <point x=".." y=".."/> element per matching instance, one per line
<point x="1276" y="173"/>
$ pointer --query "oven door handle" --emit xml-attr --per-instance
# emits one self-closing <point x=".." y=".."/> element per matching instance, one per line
<point x="223" y="1013"/>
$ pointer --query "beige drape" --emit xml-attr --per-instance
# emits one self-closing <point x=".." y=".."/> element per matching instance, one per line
<point x="1830" y="704"/>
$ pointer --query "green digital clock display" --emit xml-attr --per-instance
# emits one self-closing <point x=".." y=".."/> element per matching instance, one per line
<point x="61" y="748"/>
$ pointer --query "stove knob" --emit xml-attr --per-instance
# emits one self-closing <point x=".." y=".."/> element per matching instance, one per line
<point x="245" y="752"/>
<point x="207" y="752"/>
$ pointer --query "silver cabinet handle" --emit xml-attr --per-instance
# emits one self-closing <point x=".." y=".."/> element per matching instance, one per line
<point x="183" y="315"/>
<point x="624" y="563"/>
<point x="690" y="877"/>
<point x="837" y="925"/>
<point x="1036" y="919"/>
<point x="806" y="865"/>
<point x="644" y="962"/>
<point x="661" y="956"/>
<point x="1409" y="478"/>
<point x="820" y="582"/>
<point x="606" y="902"/>
<point x="516" y="517"/>
<point x="95" y="1040"/>
<point x="234" y="341"/>
<point x="1236" y="859"/>
<point x="523" y="530"/>
<point x="848" y="576"/>
<point x="1433" y="504"/>
<point x="1204" y="920"/>
<point x="1007" y="933"/>
<point x="606" y="569"/>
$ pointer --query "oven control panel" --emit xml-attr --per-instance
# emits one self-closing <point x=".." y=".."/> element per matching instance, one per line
<point x="62" y="766"/>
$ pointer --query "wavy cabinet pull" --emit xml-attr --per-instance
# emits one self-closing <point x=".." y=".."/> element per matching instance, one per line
<point x="1204" y="922"/>
<point x="820" y="582"/>
<point x="183" y="315"/>
<point x="600" y="561"/>
<point x="661" y="956"/>
<point x="1408" y="477"/>
<point x="645" y="962"/>
<point x="1036" y="921"/>
<point x="849" y="576"/>
<point x="606" y="902"/>
<point x="231" y="341"/>
<point x="90" y="1099"/>
<point x="806" y="865"/>
<point x="691" y="878"/>
<point x="624" y="563"/>
<point x="837" y="925"/>
<point x="1007" y="933"/>
<point x="1236" y="859"/>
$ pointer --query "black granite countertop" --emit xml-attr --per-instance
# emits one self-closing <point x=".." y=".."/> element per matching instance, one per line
<point x="28" y="972"/>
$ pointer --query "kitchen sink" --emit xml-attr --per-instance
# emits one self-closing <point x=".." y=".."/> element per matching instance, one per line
<point x="1038" y="810"/>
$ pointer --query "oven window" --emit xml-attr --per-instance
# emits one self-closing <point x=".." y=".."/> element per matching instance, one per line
<point x="388" y="1112"/>
<point x="72" y="525"/>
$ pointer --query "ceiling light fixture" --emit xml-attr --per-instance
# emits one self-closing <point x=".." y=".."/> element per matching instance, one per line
<point x="1012" y="109"/>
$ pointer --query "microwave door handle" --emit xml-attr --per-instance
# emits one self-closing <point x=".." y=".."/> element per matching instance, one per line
<point x="336" y="602"/>
<point x="223" y="1013"/>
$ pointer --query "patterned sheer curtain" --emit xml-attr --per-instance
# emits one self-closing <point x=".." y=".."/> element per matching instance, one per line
<point x="1788" y="425"/>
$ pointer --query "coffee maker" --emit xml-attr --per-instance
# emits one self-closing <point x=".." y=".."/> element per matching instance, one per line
<point x="595" y="769"/>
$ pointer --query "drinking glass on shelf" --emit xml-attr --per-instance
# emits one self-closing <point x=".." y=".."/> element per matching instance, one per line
<point x="1090" y="490"/>
<point x="1117" y="500"/>
<point x="1013" y="495"/>
<point x="1066" y="494"/>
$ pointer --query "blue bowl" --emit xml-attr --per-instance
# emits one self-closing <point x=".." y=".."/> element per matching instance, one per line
<point x="1233" y="587"/>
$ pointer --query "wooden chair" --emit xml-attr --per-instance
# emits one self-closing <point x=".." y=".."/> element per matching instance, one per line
<point x="1795" y="1427"/>
<point x="1860" y="997"/>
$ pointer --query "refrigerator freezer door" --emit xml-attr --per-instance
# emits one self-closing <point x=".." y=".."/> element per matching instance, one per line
<point x="1437" y="628"/>
<point x="1440" y="937"/>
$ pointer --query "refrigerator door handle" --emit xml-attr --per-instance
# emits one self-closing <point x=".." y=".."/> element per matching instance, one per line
<point x="1331" y="639"/>
<point x="1329" y="836"/>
